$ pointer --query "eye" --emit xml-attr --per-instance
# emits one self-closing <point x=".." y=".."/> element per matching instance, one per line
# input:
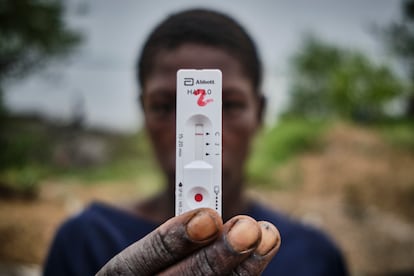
<point x="160" y="109"/>
<point x="233" y="106"/>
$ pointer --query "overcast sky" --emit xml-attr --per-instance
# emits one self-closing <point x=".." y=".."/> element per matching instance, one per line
<point x="100" y="74"/>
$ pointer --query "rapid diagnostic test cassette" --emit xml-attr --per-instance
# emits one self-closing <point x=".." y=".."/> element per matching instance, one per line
<point x="198" y="140"/>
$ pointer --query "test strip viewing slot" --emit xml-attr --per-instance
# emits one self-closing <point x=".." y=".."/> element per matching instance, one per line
<point x="199" y="141"/>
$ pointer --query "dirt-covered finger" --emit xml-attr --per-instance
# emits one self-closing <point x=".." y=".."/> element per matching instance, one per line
<point x="263" y="254"/>
<point x="168" y="244"/>
<point x="241" y="236"/>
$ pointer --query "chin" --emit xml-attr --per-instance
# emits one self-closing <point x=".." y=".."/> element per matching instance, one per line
<point x="227" y="176"/>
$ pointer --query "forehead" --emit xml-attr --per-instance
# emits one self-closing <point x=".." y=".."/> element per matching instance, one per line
<point x="195" y="56"/>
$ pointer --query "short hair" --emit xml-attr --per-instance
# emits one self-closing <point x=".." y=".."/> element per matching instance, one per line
<point x="205" y="27"/>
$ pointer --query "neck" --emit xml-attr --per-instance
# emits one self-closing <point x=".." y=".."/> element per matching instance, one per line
<point x="234" y="202"/>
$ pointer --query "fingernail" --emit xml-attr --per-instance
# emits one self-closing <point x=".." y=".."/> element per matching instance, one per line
<point x="270" y="238"/>
<point x="202" y="226"/>
<point x="244" y="235"/>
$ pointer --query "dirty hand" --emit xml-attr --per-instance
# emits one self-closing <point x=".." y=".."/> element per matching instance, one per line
<point x="197" y="243"/>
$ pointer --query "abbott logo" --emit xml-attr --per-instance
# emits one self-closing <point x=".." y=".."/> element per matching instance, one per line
<point x="188" y="81"/>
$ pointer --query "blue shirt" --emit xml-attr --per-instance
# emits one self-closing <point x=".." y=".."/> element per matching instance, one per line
<point x="84" y="243"/>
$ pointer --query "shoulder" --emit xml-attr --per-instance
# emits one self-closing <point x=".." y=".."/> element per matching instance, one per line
<point x="67" y="246"/>
<point x="305" y="250"/>
<point x="74" y="241"/>
<point x="86" y="241"/>
<point x="82" y="225"/>
<point x="104" y="222"/>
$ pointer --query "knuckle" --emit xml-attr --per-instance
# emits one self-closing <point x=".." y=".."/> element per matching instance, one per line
<point x="203" y="266"/>
<point x="162" y="247"/>
<point x="144" y="258"/>
<point x="117" y="266"/>
<point x="242" y="271"/>
<point x="253" y="265"/>
<point x="157" y="251"/>
<point x="126" y="267"/>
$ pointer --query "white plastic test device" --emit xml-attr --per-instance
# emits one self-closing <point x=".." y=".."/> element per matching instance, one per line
<point x="199" y="140"/>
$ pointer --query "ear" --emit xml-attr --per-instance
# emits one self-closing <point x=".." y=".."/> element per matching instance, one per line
<point x="141" y="101"/>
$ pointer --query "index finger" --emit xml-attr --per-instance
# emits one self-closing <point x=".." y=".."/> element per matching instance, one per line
<point x="169" y="243"/>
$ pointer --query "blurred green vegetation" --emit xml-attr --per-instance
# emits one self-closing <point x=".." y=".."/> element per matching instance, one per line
<point x="24" y="150"/>
<point x="399" y="37"/>
<point x="398" y="133"/>
<point x="276" y="145"/>
<point x="130" y="159"/>
<point x="330" y="81"/>
<point x="32" y="33"/>
<point x="36" y="151"/>
<point x="291" y="137"/>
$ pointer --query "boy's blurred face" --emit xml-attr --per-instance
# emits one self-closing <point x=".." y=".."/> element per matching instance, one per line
<point x="241" y="106"/>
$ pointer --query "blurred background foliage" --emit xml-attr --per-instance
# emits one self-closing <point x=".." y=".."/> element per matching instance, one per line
<point x="399" y="38"/>
<point x="331" y="82"/>
<point x="32" y="33"/>
<point x="276" y="145"/>
<point x="328" y="83"/>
